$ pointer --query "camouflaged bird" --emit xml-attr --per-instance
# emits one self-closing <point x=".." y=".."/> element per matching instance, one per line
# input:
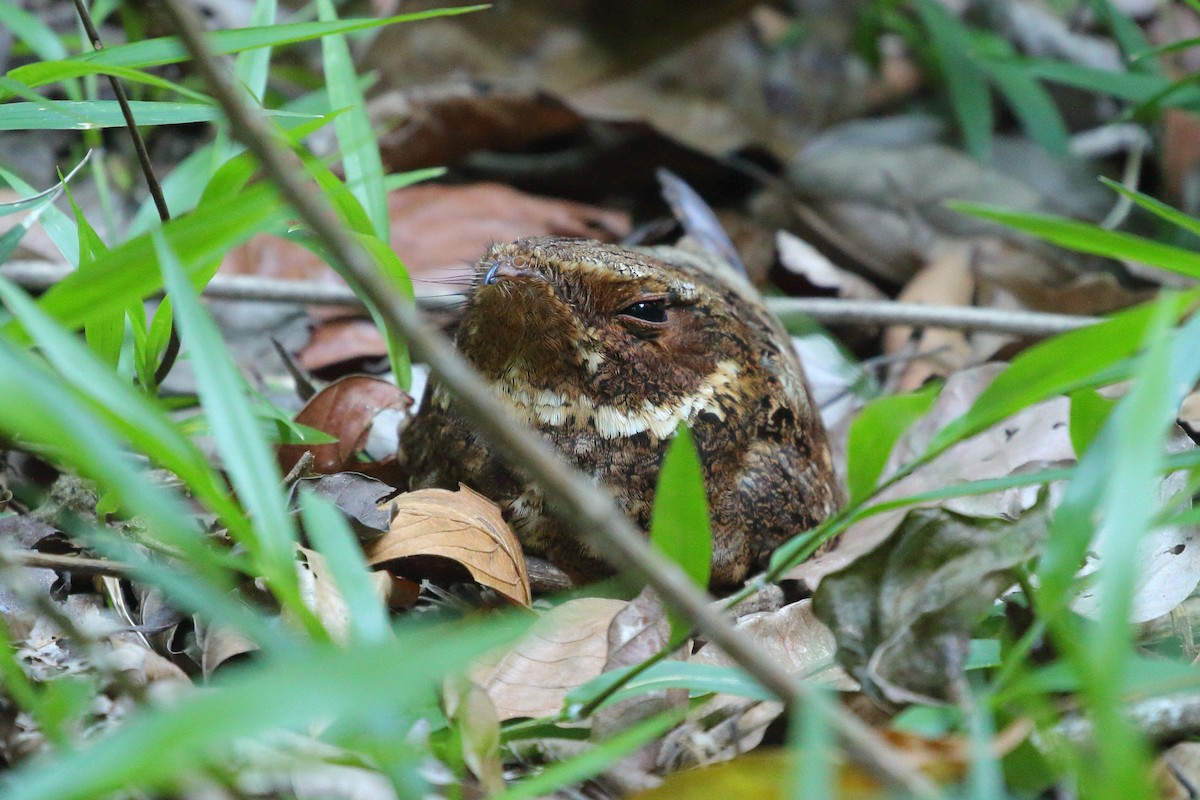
<point x="604" y="350"/>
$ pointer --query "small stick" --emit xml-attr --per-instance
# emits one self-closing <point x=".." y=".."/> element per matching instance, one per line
<point x="829" y="311"/>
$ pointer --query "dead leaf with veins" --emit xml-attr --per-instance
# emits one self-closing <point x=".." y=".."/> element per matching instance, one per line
<point x="567" y="647"/>
<point x="436" y="531"/>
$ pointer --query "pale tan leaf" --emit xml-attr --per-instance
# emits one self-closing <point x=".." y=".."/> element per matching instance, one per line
<point x="463" y="527"/>
<point x="566" y="648"/>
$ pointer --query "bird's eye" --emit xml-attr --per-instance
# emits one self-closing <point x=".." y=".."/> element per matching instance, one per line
<point x="654" y="310"/>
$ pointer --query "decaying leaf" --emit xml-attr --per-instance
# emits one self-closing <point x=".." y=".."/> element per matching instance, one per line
<point x="472" y="712"/>
<point x="322" y="595"/>
<point x="566" y="648"/>
<point x="902" y="614"/>
<point x="350" y="409"/>
<point x="463" y="529"/>
<point x="639" y="631"/>
<point x="797" y="641"/>
<point x="358" y="496"/>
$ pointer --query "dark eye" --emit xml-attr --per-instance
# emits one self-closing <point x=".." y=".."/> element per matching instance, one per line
<point x="647" y="310"/>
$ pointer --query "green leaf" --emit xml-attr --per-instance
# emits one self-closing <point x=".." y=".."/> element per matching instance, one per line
<point x="69" y="70"/>
<point x="361" y="162"/>
<point x="1133" y="86"/>
<point x="969" y="92"/>
<point x="389" y="263"/>
<point x="89" y="115"/>
<point x="169" y="50"/>
<point x="1088" y="238"/>
<point x="874" y="433"/>
<point x="40" y="37"/>
<point x="106" y="334"/>
<point x="129" y="272"/>
<point x="1056" y="366"/>
<point x="1089" y="411"/>
<point x="58" y="226"/>
<point x="1156" y="207"/>
<point x="1030" y="103"/>
<point x="594" y="760"/>
<point x="367" y="687"/>
<point x="331" y="536"/>
<point x="246" y="456"/>
<point x="696" y="678"/>
<point x="679" y="524"/>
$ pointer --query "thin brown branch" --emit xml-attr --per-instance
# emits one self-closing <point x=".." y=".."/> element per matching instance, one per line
<point x="143" y="156"/>
<point x="76" y="565"/>
<point x="39" y="275"/>
<point x="579" y="502"/>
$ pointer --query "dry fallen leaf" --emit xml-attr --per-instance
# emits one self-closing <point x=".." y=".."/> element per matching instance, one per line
<point x="566" y="649"/>
<point x="349" y="409"/>
<point x="946" y="280"/>
<point x="464" y="528"/>
<point x="797" y="641"/>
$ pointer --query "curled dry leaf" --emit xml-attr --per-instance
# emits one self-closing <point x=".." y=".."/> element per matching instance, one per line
<point x="463" y="528"/>
<point x="350" y="409"/>
<point x="566" y="649"/>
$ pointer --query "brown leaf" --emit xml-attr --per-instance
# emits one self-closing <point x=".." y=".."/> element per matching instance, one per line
<point x="946" y="280"/>
<point x="566" y="649"/>
<point x="464" y="528"/>
<point x="321" y="594"/>
<point x="342" y="343"/>
<point x="348" y="409"/>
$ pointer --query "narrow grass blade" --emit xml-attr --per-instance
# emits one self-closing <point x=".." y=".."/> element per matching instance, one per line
<point x="331" y="536"/>
<point x="1088" y="238"/>
<point x="1155" y="206"/>
<point x="874" y="433"/>
<point x="679" y="524"/>
<point x="969" y="91"/>
<point x="247" y="458"/>
<point x="159" y="748"/>
<point x="89" y="115"/>
<point x="130" y="271"/>
<point x="361" y="162"/>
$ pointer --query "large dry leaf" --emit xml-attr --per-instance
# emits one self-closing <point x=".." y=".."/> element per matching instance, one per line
<point x="463" y="528"/>
<point x="566" y="649"/>
<point x="1034" y="438"/>
<point x="903" y="613"/>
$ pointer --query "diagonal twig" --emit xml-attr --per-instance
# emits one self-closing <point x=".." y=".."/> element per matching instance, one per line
<point x="578" y="501"/>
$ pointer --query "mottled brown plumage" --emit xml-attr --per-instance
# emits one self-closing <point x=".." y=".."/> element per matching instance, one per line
<point x="604" y="350"/>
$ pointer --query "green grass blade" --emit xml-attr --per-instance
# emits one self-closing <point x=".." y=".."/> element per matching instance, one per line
<point x="125" y="409"/>
<point x="1055" y="366"/>
<point x="367" y="686"/>
<point x="1088" y="238"/>
<point x="874" y="433"/>
<point x="595" y="760"/>
<point x="89" y="115"/>
<point x="69" y="70"/>
<point x="679" y="524"/>
<point x="58" y="226"/>
<point x="331" y="536"/>
<point x="1155" y="206"/>
<point x="1030" y="103"/>
<point x="969" y="92"/>
<point x="130" y="271"/>
<point x="247" y="458"/>
<point x="169" y="50"/>
<point x="40" y="37"/>
<point x="361" y="162"/>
